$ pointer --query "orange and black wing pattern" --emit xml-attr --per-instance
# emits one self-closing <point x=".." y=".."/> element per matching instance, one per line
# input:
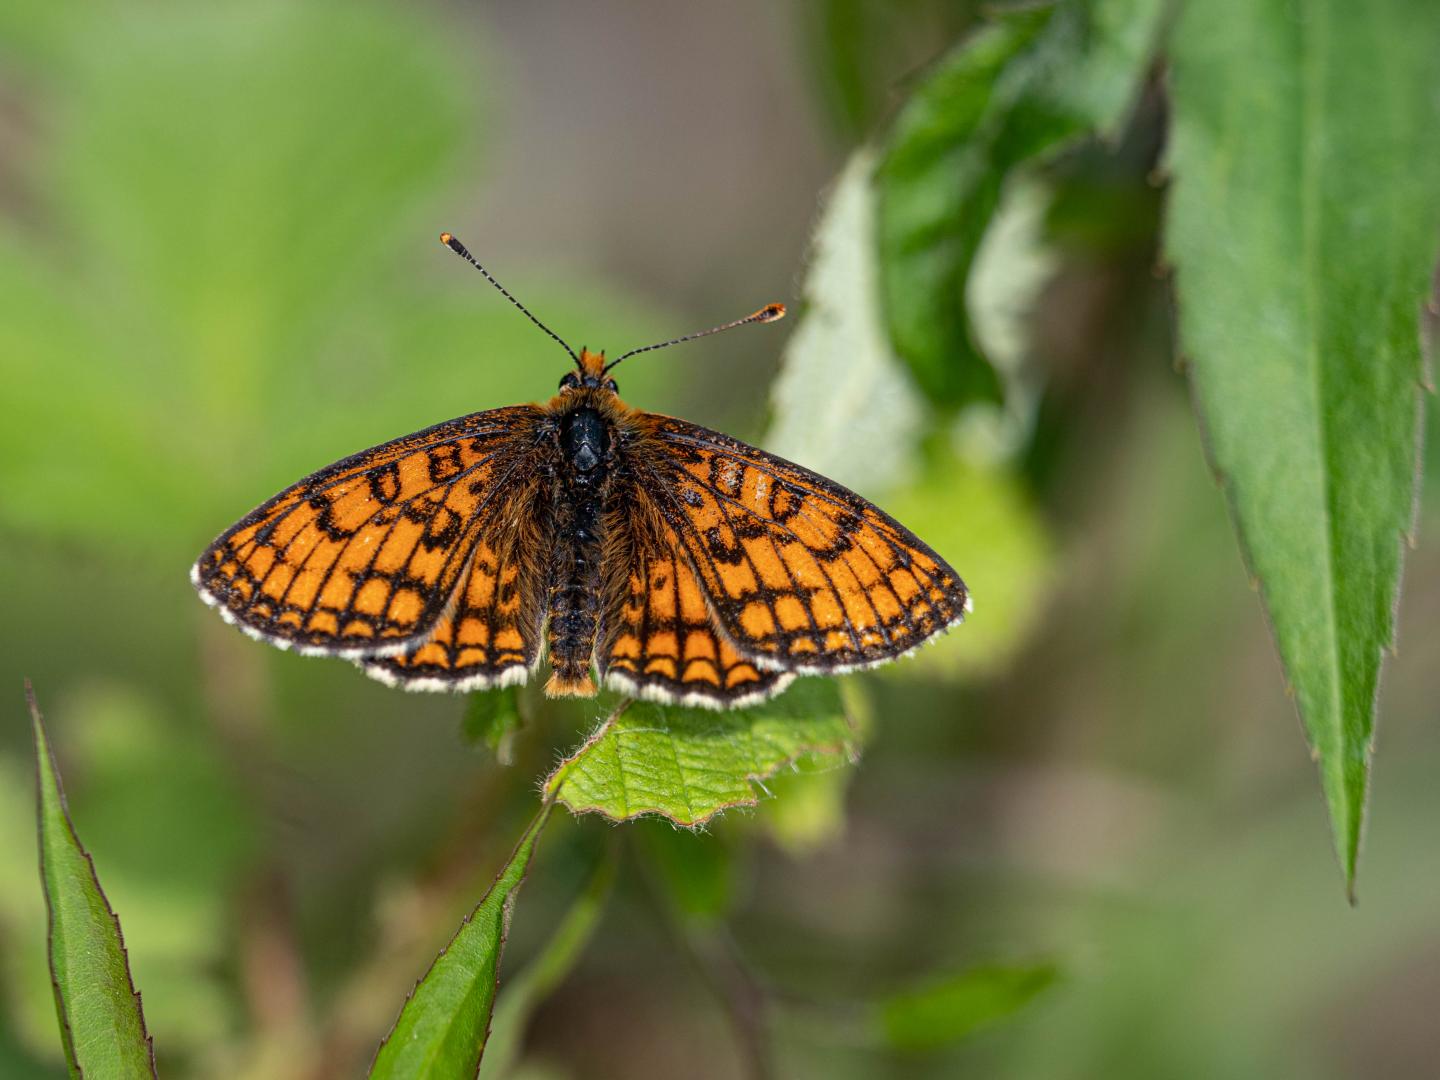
<point x="802" y="575"/>
<point x="392" y="548"/>
<point x="658" y="638"/>
<point x="491" y="635"/>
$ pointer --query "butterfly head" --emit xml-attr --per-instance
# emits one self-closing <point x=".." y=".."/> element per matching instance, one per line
<point x="591" y="374"/>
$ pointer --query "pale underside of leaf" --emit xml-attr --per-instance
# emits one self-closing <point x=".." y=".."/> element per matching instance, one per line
<point x="843" y="403"/>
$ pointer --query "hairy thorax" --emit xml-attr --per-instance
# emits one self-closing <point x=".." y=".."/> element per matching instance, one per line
<point x="591" y="429"/>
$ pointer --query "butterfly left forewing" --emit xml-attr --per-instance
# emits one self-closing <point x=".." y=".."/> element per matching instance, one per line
<point x="364" y="557"/>
<point x="803" y="575"/>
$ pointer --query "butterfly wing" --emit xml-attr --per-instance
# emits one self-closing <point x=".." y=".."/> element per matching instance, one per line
<point x="658" y="638"/>
<point x="364" y="558"/>
<point x="491" y="635"/>
<point x="802" y="574"/>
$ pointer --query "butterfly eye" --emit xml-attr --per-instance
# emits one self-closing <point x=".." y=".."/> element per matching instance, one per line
<point x="612" y="386"/>
<point x="569" y="380"/>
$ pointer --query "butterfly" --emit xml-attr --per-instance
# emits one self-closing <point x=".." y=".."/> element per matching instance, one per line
<point x="677" y="563"/>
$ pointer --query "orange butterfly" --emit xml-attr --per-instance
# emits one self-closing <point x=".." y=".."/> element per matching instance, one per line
<point x="679" y="563"/>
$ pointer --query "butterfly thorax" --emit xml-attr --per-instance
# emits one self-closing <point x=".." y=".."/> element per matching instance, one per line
<point x="586" y="438"/>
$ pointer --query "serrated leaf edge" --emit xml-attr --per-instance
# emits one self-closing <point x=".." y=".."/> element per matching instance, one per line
<point x="553" y="783"/>
<point x="530" y="836"/>
<point x="42" y="746"/>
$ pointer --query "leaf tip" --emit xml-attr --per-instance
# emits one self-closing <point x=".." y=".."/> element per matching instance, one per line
<point x="47" y="777"/>
<point x="34" y="707"/>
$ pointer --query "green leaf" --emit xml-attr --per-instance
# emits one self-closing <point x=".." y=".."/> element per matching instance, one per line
<point x="842" y="38"/>
<point x="493" y="717"/>
<point x="950" y="1009"/>
<point x="1020" y="88"/>
<point x="101" y="1021"/>
<point x="546" y="972"/>
<point x="690" y="764"/>
<point x="1303" y="226"/>
<point x="861" y="423"/>
<point x="443" y="1028"/>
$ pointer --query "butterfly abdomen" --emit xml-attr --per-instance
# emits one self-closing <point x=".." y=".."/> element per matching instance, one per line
<point x="585" y="438"/>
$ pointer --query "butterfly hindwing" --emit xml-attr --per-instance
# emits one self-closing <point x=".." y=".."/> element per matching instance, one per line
<point x="803" y="575"/>
<point x="492" y="633"/>
<point x="364" y="557"/>
<point x="658" y="638"/>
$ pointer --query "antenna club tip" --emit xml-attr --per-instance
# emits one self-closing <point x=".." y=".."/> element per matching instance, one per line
<point x="770" y="313"/>
<point x="448" y="239"/>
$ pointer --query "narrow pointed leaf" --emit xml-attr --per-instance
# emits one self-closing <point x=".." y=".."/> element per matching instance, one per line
<point x="101" y="1021"/>
<point x="1024" y="85"/>
<point x="546" y="972"/>
<point x="690" y="764"/>
<point x="1303" y="227"/>
<point x="442" y="1030"/>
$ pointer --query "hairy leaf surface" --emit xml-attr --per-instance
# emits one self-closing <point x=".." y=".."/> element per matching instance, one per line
<point x="690" y="764"/>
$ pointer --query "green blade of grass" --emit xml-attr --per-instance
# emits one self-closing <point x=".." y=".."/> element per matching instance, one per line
<point x="443" y="1028"/>
<point x="1303" y="228"/>
<point x="101" y="1021"/>
<point x="690" y="764"/>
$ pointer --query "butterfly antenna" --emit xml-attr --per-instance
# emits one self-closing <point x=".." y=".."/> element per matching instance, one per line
<point x="769" y="313"/>
<point x="460" y="249"/>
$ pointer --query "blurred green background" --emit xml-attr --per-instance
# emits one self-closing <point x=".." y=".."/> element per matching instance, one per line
<point x="218" y="272"/>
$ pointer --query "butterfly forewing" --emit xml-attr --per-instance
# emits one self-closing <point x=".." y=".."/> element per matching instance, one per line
<point x="803" y="575"/>
<point x="364" y="557"/>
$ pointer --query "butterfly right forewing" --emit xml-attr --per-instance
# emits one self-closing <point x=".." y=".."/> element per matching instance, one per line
<point x="803" y="575"/>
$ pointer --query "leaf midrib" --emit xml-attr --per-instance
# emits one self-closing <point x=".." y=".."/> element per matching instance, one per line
<point x="1310" y="168"/>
